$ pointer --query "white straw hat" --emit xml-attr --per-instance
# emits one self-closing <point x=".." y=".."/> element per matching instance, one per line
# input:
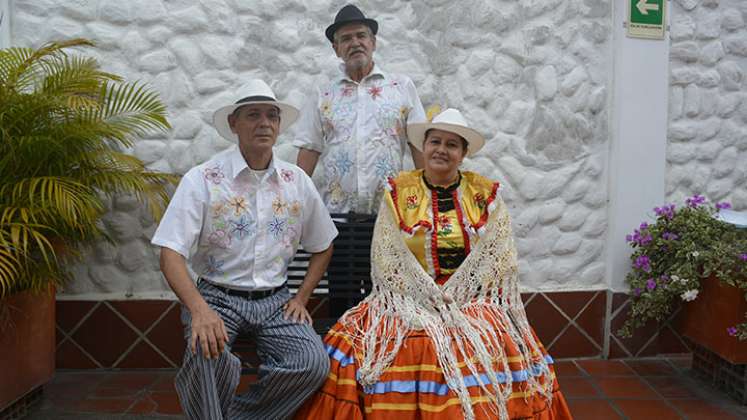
<point x="450" y="120"/>
<point x="253" y="92"/>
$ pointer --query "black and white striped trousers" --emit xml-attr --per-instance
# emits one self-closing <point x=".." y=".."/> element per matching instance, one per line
<point x="294" y="362"/>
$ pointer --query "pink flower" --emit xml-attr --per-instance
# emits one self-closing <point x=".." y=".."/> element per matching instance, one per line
<point x="214" y="175"/>
<point x="286" y="175"/>
<point x="375" y="91"/>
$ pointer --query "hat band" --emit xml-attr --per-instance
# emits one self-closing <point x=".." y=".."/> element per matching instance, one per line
<point x="256" y="98"/>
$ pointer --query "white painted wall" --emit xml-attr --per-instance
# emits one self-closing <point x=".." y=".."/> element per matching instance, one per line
<point x="5" y="20"/>
<point x="534" y="76"/>
<point x="577" y="115"/>
<point x="707" y="150"/>
<point x="588" y="129"/>
<point x="638" y="149"/>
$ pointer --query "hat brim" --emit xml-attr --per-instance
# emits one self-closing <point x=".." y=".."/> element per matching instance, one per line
<point x="288" y="115"/>
<point x="416" y="135"/>
<point x="331" y="29"/>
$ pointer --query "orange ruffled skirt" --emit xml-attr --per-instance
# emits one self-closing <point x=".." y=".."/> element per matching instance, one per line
<point x="414" y="387"/>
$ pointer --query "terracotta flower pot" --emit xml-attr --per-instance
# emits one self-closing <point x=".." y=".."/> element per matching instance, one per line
<point x="706" y="319"/>
<point x="28" y="344"/>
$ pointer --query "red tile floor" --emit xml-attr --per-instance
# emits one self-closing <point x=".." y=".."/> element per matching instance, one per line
<point x="655" y="388"/>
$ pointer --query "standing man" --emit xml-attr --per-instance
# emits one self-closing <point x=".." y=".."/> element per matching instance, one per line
<point x="240" y="217"/>
<point x="356" y="124"/>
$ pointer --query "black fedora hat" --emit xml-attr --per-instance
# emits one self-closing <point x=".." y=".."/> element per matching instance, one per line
<point x="346" y="15"/>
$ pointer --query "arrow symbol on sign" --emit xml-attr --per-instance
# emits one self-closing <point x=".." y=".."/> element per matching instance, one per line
<point x="644" y="7"/>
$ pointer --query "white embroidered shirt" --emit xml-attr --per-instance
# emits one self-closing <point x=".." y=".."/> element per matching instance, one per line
<point x="240" y="228"/>
<point x="360" y="129"/>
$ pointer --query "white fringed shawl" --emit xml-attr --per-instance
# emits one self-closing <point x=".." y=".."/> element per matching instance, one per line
<point x="485" y="294"/>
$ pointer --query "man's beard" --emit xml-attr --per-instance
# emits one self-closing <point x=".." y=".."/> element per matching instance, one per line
<point x="358" y="63"/>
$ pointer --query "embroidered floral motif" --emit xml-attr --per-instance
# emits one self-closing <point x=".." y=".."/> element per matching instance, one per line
<point x="326" y="108"/>
<point x="214" y="266"/>
<point x="287" y="175"/>
<point x="295" y="208"/>
<point x="291" y="237"/>
<point x="220" y="238"/>
<point x="328" y="126"/>
<point x="384" y="168"/>
<point x="220" y="209"/>
<point x="347" y="90"/>
<point x="337" y="196"/>
<point x="238" y="204"/>
<point x="480" y="200"/>
<point x="276" y="227"/>
<point x="342" y="163"/>
<point x="445" y="227"/>
<point x="241" y="228"/>
<point x="375" y="91"/>
<point x="404" y="112"/>
<point x="279" y="206"/>
<point x="214" y="174"/>
<point x="400" y="129"/>
<point x="412" y="201"/>
<point x="219" y="224"/>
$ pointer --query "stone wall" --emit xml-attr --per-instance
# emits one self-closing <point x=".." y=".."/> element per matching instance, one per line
<point x="533" y="76"/>
<point x="707" y="152"/>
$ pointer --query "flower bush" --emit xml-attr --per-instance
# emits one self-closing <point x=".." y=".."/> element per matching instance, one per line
<point x="672" y="256"/>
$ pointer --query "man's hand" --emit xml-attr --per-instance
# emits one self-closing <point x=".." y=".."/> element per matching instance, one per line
<point x="295" y="310"/>
<point x="209" y="330"/>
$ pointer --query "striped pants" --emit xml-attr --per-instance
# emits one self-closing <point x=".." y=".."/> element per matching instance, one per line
<point x="294" y="362"/>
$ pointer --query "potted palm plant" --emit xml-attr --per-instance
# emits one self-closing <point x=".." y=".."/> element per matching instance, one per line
<point x="64" y="126"/>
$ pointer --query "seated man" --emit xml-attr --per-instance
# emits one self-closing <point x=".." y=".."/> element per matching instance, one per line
<point x="239" y="219"/>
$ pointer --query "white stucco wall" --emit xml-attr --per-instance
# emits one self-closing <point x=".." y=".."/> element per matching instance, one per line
<point x="5" y="19"/>
<point x="533" y="76"/>
<point x="707" y="138"/>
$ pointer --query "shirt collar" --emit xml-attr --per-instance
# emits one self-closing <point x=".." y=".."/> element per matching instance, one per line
<point x="376" y="71"/>
<point x="238" y="164"/>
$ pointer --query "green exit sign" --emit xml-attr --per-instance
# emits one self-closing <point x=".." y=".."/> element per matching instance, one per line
<point x="647" y="18"/>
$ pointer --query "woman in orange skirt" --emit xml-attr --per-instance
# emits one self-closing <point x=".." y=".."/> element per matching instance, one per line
<point x="443" y="334"/>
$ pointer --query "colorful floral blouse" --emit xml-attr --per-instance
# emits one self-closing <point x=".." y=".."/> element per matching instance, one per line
<point x="441" y="224"/>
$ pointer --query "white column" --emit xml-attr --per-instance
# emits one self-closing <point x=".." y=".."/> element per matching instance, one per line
<point x="639" y="140"/>
<point x="4" y="23"/>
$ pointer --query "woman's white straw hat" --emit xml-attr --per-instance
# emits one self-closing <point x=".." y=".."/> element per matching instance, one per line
<point x="450" y="120"/>
<point x="253" y="92"/>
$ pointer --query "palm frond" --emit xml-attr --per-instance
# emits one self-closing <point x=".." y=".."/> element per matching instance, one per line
<point x="27" y="64"/>
<point x="74" y="203"/>
<point x="77" y="80"/>
<point x="131" y="110"/>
